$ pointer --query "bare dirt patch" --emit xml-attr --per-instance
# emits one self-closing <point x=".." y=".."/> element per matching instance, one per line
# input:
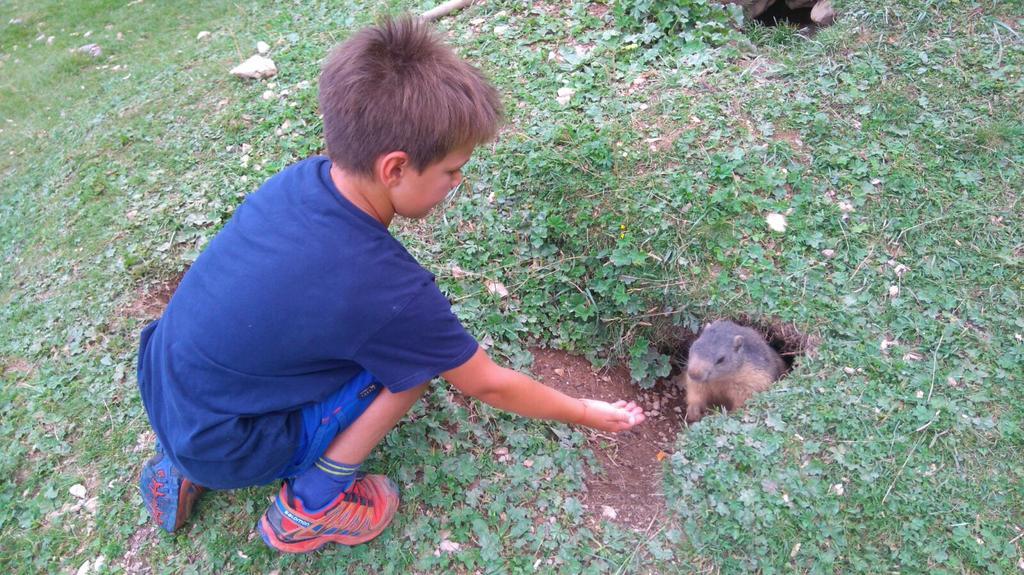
<point x="134" y="558"/>
<point x="630" y="481"/>
<point x="20" y="367"/>
<point x="149" y="301"/>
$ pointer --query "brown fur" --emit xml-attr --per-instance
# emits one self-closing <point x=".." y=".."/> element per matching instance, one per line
<point x="752" y="366"/>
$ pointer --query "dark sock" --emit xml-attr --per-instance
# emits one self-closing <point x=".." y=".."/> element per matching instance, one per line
<point x="320" y="484"/>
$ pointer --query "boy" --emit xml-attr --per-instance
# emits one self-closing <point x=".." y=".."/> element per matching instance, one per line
<point x="305" y="331"/>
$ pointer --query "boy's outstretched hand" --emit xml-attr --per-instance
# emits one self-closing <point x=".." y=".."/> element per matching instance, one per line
<point x="618" y="416"/>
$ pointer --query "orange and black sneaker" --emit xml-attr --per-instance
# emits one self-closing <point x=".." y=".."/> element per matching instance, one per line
<point x="356" y="516"/>
<point x="169" y="496"/>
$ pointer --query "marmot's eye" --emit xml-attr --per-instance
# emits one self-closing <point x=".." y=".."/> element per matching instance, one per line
<point x="720" y="360"/>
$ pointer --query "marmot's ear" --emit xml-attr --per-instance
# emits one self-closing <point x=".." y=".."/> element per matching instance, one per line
<point x="737" y="343"/>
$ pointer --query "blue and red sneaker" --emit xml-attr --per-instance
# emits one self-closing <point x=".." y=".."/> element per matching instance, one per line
<point x="168" y="495"/>
<point x="355" y="516"/>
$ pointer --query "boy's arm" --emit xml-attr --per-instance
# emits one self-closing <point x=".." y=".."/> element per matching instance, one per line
<point x="512" y="391"/>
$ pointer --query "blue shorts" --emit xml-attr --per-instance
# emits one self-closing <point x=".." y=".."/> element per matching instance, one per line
<point x="321" y="422"/>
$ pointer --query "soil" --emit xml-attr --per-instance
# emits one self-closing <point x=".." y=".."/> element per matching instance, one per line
<point x="630" y="478"/>
<point x="151" y="299"/>
<point x="135" y="558"/>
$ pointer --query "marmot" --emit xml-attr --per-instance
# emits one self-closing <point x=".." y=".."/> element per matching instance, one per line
<point x="727" y="364"/>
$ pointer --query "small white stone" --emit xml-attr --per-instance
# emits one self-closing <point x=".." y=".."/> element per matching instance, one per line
<point x="262" y="47"/>
<point x="449" y="546"/>
<point x="500" y="30"/>
<point x="838" y="489"/>
<point x="564" y="95"/>
<point x="203" y="35"/>
<point x="608" y="512"/>
<point x="894" y="290"/>
<point x="78" y="490"/>
<point x="828" y="253"/>
<point x="496" y="288"/>
<point x="256" y="67"/>
<point x="268" y="95"/>
<point x="93" y="50"/>
<point x="776" y="222"/>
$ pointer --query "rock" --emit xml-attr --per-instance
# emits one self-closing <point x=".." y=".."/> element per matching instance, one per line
<point x="262" y="47"/>
<point x="257" y="67"/>
<point x="608" y="512"/>
<point x="564" y="95"/>
<point x="93" y="50"/>
<point x="559" y="372"/>
<point x="78" y="490"/>
<point x="449" y="546"/>
<point x="828" y="253"/>
<point x="822" y="14"/>
<point x="496" y="288"/>
<point x="776" y="222"/>
<point x="203" y="35"/>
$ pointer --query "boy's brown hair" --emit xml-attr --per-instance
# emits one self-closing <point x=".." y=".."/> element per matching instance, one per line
<point x="397" y="86"/>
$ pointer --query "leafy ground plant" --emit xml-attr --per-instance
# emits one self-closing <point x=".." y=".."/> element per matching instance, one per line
<point x="625" y="201"/>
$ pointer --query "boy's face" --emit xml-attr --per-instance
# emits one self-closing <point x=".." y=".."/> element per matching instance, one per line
<point x="418" y="192"/>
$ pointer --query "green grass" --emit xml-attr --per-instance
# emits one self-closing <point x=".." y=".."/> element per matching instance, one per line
<point x="634" y="211"/>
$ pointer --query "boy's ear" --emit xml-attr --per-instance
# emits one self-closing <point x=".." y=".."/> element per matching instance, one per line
<point x="391" y="167"/>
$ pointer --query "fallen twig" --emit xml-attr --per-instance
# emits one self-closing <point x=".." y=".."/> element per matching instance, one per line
<point x="445" y="8"/>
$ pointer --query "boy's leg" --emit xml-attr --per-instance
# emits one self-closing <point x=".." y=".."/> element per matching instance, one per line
<point x="355" y="443"/>
<point x="359" y="506"/>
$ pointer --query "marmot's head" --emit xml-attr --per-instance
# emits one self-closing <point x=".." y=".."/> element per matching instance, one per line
<point x="717" y="353"/>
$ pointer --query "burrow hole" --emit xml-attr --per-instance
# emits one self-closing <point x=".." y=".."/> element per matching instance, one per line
<point x="785" y="338"/>
<point x="779" y="13"/>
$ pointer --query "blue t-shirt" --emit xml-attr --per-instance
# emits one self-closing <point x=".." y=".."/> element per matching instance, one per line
<point x="297" y="294"/>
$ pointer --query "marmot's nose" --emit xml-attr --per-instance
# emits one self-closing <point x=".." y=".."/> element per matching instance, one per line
<point x="696" y="373"/>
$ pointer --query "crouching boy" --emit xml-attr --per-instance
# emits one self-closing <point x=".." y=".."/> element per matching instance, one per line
<point x="305" y="331"/>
